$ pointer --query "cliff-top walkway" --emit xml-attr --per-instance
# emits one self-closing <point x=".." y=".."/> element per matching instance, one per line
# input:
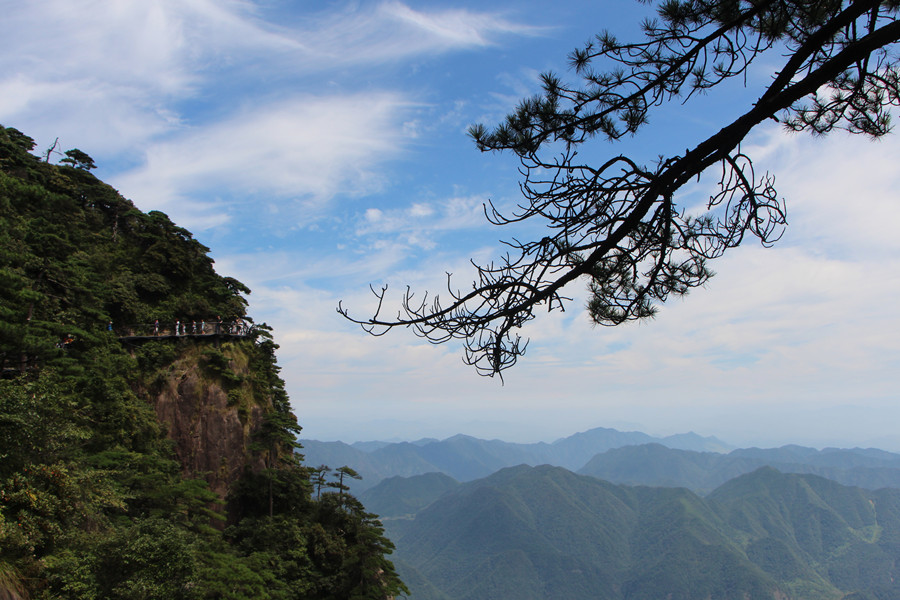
<point x="213" y="330"/>
<point x="188" y="329"/>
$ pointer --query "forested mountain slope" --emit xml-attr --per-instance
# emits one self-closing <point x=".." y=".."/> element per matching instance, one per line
<point x="544" y="532"/>
<point x="400" y="496"/>
<point x="135" y="465"/>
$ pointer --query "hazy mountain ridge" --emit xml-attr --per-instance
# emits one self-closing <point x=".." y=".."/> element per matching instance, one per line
<point x="686" y="460"/>
<point x="466" y="458"/>
<point x="799" y="532"/>
<point x="544" y="532"/>
<point x="656" y="465"/>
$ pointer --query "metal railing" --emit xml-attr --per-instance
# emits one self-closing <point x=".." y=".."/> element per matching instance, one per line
<point x="197" y="328"/>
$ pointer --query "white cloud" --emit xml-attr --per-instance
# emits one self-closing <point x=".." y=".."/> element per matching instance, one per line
<point x="421" y="210"/>
<point x="308" y="148"/>
<point x="358" y="35"/>
<point x="105" y="75"/>
<point x="108" y="75"/>
<point x="841" y="190"/>
<point x="421" y="223"/>
<point x="455" y="28"/>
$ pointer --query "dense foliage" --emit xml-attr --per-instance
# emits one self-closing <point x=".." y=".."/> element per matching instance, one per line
<point x="93" y="502"/>
<point x="544" y="532"/>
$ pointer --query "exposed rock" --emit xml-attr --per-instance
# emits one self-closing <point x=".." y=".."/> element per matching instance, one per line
<point x="212" y="439"/>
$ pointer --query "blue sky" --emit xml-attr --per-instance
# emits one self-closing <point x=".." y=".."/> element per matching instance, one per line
<point x="318" y="147"/>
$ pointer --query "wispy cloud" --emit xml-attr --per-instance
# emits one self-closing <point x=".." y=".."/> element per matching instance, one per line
<point x="305" y="148"/>
<point x="841" y="190"/>
<point x="120" y="69"/>
<point x="456" y="28"/>
<point x="420" y="223"/>
<point x="108" y="75"/>
<point x="356" y="35"/>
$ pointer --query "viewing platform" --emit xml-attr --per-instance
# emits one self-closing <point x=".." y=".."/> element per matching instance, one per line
<point x="190" y="329"/>
<point x="214" y="331"/>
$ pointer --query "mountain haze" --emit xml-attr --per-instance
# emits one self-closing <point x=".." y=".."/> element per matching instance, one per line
<point x="656" y="465"/>
<point x="685" y="460"/>
<point x="465" y="458"/>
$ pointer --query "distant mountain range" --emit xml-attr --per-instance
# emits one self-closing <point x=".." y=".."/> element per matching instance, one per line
<point x="656" y="465"/>
<point x="683" y="517"/>
<point x="466" y="458"/>
<point x="686" y="460"/>
<point x="546" y="533"/>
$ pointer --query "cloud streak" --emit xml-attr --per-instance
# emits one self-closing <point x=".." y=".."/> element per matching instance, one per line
<point x="305" y="148"/>
<point x="138" y="60"/>
<point x="422" y="223"/>
<point x="356" y="35"/>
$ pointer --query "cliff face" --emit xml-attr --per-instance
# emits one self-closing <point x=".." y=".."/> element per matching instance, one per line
<point x="212" y="439"/>
<point x="210" y="405"/>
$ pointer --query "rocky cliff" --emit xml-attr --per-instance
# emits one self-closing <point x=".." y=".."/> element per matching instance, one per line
<point x="212" y="430"/>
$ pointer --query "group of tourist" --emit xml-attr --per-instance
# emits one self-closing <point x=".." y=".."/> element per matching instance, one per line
<point x="204" y="327"/>
<point x="187" y="327"/>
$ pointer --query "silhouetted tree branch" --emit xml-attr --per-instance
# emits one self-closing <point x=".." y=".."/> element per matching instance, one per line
<point x="618" y="224"/>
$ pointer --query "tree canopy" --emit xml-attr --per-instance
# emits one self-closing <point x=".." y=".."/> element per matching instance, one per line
<point x="96" y="501"/>
<point x="618" y="223"/>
